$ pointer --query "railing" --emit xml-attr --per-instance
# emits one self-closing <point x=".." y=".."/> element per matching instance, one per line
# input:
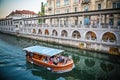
<point x="102" y="26"/>
<point x="85" y="1"/>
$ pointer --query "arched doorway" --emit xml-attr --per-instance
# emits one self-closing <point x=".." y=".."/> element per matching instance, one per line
<point x="76" y="34"/>
<point x="64" y="33"/>
<point x="90" y="35"/>
<point x="54" y="33"/>
<point x="46" y="32"/>
<point x="34" y="31"/>
<point x="109" y="37"/>
<point x="39" y="31"/>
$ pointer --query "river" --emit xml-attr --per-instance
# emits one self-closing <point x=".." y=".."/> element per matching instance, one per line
<point x="89" y="65"/>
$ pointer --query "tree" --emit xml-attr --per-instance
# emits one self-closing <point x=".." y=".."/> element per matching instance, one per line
<point x="42" y="13"/>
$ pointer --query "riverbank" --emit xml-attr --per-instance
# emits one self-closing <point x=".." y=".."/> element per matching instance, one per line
<point x="58" y="42"/>
<point x="113" y="58"/>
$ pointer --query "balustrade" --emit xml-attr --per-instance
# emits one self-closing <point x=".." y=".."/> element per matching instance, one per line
<point x="73" y="26"/>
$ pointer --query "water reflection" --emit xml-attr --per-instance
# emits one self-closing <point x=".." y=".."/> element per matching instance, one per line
<point x="89" y="62"/>
<point x="89" y="65"/>
<point x="106" y="67"/>
<point x="42" y="72"/>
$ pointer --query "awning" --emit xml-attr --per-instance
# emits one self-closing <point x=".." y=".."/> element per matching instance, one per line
<point x="46" y="51"/>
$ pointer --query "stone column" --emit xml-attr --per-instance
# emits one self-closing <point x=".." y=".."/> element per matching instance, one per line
<point x="51" y="22"/>
<point x="105" y="18"/>
<point x="100" y="17"/>
<point x="83" y="20"/>
<point x="57" y="22"/>
<point x="42" y="23"/>
<point x="69" y="22"/>
<point x="76" y="20"/>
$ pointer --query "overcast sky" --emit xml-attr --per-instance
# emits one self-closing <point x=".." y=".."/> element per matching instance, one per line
<point x="7" y="6"/>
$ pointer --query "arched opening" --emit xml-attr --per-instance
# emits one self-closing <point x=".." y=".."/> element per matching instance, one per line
<point x="76" y="34"/>
<point x="39" y="31"/>
<point x="46" y="32"/>
<point x="90" y="35"/>
<point x="64" y="33"/>
<point x="54" y="33"/>
<point x="109" y="37"/>
<point x="34" y="31"/>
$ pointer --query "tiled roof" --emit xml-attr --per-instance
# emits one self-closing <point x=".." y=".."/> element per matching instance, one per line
<point x="22" y="12"/>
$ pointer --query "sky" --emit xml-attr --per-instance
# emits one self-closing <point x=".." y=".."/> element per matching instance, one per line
<point x="7" y="6"/>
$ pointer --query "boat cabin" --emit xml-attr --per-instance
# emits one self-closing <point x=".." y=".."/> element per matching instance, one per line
<point x="49" y="57"/>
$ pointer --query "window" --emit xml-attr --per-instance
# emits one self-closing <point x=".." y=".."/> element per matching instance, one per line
<point x="16" y="26"/>
<point x="76" y="1"/>
<point x="116" y="5"/>
<point x="85" y="1"/>
<point x="75" y="9"/>
<point x="57" y="3"/>
<point x="99" y="6"/>
<point x="111" y="21"/>
<point x="20" y="23"/>
<point x="86" y="21"/>
<point x="76" y="22"/>
<point x="80" y="22"/>
<point x="57" y="12"/>
<point x="86" y="8"/>
<point x="66" y="2"/>
<point x="66" y="10"/>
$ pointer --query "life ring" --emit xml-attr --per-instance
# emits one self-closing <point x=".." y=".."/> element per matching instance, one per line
<point x="48" y="68"/>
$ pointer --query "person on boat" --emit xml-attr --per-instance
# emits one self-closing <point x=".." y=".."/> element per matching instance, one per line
<point x="55" y="61"/>
<point x="67" y="60"/>
<point x="45" y="59"/>
<point x="50" y="62"/>
<point x="51" y="58"/>
<point x="61" y="59"/>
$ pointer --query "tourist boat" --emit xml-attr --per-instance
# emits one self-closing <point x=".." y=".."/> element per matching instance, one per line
<point x="50" y="58"/>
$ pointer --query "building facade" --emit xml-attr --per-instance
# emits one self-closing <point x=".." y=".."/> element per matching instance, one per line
<point x="67" y="6"/>
<point x="18" y="14"/>
<point x="97" y="30"/>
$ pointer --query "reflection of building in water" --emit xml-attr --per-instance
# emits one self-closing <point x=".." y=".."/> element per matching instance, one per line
<point x="85" y="66"/>
<point x="88" y="24"/>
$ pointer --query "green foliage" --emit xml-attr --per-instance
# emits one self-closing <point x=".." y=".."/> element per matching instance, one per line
<point x="42" y="13"/>
<point x="41" y="21"/>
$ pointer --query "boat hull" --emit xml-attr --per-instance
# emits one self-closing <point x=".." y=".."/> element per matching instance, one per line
<point x="52" y="67"/>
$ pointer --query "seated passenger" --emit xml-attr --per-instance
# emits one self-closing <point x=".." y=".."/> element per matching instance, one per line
<point x="50" y="62"/>
<point x="61" y="59"/>
<point x="55" y="61"/>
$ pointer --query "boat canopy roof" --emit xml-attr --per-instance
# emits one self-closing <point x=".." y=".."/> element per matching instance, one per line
<point x="46" y="51"/>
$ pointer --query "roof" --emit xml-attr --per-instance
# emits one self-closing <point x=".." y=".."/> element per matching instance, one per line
<point x="22" y="12"/>
<point x="46" y="51"/>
